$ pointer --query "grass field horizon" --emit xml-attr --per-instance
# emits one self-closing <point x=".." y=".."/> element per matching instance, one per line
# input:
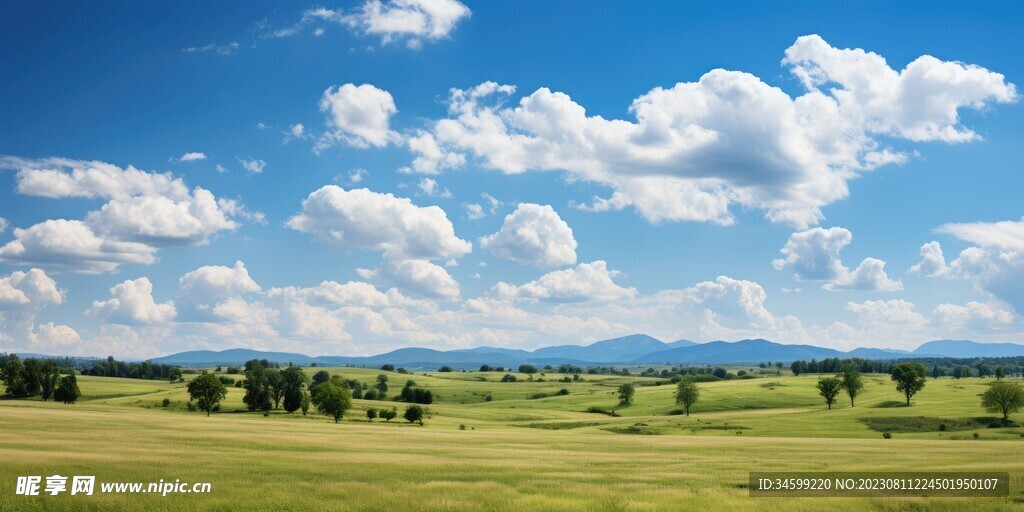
<point x="509" y="453"/>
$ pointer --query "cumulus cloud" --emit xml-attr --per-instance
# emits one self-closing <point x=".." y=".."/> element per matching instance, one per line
<point x="972" y="317"/>
<point x="131" y="303"/>
<point x="32" y="290"/>
<point x="933" y="263"/>
<point x="54" y="336"/>
<point x="143" y="211"/>
<point x="429" y="187"/>
<point x="71" y="245"/>
<point x="586" y="282"/>
<point x="814" y="255"/>
<point x="533" y="235"/>
<point x="697" y="149"/>
<point x="210" y="284"/>
<point x="367" y="220"/>
<point x="359" y="116"/>
<point x="995" y="265"/>
<point x="416" y="275"/>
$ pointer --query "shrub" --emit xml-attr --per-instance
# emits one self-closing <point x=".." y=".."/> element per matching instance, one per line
<point x="976" y="435"/>
<point x="887" y="435"/>
<point x="445" y="369"/>
<point x="166" y="402"/>
<point x="508" y="378"/>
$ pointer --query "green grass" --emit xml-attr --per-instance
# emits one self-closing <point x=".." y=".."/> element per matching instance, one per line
<point x="515" y="453"/>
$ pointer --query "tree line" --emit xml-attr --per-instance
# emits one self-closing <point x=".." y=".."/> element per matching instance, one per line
<point x="45" y="378"/>
<point x="268" y="386"/>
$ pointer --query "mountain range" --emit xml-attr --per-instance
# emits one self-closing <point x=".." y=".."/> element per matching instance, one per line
<point x="633" y="349"/>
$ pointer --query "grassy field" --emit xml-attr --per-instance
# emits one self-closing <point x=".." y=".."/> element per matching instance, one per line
<point x="510" y="453"/>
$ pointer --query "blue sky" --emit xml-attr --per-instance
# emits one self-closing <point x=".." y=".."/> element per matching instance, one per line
<point x="514" y="174"/>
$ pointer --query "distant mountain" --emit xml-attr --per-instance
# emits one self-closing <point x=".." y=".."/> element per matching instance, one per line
<point x="633" y="349"/>
<point x="231" y="356"/>
<point x="743" y="351"/>
<point x="625" y="348"/>
<point x="681" y="343"/>
<point x="522" y="354"/>
<point x="966" y="348"/>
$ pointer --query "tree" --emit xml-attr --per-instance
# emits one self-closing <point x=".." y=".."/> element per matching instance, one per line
<point x="828" y="388"/>
<point x="508" y="378"/>
<point x="276" y="383"/>
<point x="528" y="369"/>
<point x="413" y="414"/>
<point x="67" y="390"/>
<point x="319" y="378"/>
<point x="332" y="400"/>
<point x="388" y="367"/>
<point x="206" y="390"/>
<point x="687" y="394"/>
<point x="304" y="405"/>
<point x="849" y="375"/>
<point x="51" y="377"/>
<point x="293" y="382"/>
<point x="1003" y="397"/>
<point x="909" y="378"/>
<point x="257" y="386"/>
<point x="381" y="385"/>
<point x="13" y="374"/>
<point x="486" y="368"/>
<point x="371" y="414"/>
<point x="626" y="392"/>
<point x="388" y="414"/>
<point x="1000" y="372"/>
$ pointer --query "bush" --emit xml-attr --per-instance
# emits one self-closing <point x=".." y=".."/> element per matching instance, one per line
<point x="488" y="398"/>
<point x="445" y="369"/>
<point x="976" y="435"/>
<point x="227" y="381"/>
<point x="942" y="427"/>
<point x="508" y="378"/>
<point x="462" y="426"/>
<point x="166" y="402"/>
<point x="887" y="435"/>
<point x="563" y="392"/>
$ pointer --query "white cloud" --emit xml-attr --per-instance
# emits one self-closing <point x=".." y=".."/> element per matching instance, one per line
<point x="416" y="275"/>
<point x="53" y="336"/>
<point x="221" y="169"/>
<point x="71" y="245"/>
<point x="224" y="50"/>
<point x="143" y="211"/>
<point x="359" y="116"/>
<point x="477" y="211"/>
<point x="357" y="175"/>
<point x="253" y="165"/>
<point x="972" y="317"/>
<point x="210" y="284"/>
<point x="30" y="290"/>
<point x="533" y="235"/>
<point x="1005" y="234"/>
<point x="367" y="220"/>
<point x="895" y="313"/>
<point x="995" y="265"/>
<point x="430" y="158"/>
<point x="192" y="156"/>
<point x="474" y="211"/>
<point x="814" y="255"/>
<point x="131" y="303"/>
<point x="586" y="282"/>
<point x="3" y="224"/>
<point x="429" y="187"/>
<point x="697" y="149"/>
<point x="411" y="21"/>
<point x="933" y="263"/>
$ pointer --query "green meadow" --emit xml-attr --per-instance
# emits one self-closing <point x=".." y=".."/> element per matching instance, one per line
<point x="511" y="452"/>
